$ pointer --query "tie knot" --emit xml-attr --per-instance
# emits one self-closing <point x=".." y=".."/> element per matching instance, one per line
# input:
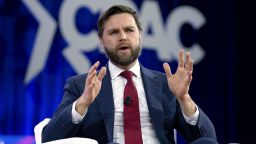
<point x="127" y="74"/>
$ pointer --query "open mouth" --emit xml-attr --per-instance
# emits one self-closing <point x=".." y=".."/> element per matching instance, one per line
<point x="124" y="48"/>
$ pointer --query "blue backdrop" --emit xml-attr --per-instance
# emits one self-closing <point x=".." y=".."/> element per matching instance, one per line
<point x="44" y="42"/>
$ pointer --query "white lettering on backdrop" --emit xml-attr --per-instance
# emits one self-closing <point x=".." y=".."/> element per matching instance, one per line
<point x="164" y="39"/>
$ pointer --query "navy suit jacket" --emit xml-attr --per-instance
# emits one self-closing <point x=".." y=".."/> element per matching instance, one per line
<point x="98" y="124"/>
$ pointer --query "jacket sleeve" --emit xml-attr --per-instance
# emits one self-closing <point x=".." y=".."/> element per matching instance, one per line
<point x="60" y="126"/>
<point x="175" y="119"/>
<point x="203" y="128"/>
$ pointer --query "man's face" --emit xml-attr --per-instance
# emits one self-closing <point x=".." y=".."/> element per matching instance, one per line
<point x="121" y="39"/>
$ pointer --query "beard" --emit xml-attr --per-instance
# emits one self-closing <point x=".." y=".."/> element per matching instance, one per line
<point x="123" y="60"/>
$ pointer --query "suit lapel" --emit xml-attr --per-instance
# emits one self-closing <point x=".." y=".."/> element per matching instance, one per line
<point x="153" y="90"/>
<point x="105" y="104"/>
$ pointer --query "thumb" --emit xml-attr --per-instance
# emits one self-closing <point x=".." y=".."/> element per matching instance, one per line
<point x="167" y="69"/>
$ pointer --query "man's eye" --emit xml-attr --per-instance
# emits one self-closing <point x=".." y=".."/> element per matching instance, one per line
<point x="113" y="32"/>
<point x="129" y="30"/>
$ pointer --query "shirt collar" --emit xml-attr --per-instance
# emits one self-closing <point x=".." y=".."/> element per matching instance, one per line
<point x="115" y="71"/>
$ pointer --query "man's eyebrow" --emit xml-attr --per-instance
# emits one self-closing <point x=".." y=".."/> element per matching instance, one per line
<point x="129" y="27"/>
<point x="112" y="29"/>
<point x="117" y="29"/>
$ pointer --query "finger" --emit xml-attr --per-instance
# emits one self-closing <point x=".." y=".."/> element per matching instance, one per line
<point x="90" y="89"/>
<point x="189" y="78"/>
<point x="190" y="66"/>
<point x="102" y="73"/>
<point x="90" y="77"/>
<point x="181" y="59"/>
<point x="94" y="67"/>
<point x="187" y="64"/>
<point x="90" y="86"/>
<point x="167" y="69"/>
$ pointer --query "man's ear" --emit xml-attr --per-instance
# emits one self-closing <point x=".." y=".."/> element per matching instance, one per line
<point x="101" y="45"/>
<point x="140" y="38"/>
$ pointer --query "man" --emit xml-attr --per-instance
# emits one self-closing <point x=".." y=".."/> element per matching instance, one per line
<point x="98" y="105"/>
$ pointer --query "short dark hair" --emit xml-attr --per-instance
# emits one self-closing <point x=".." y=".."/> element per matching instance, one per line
<point x="113" y="10"/>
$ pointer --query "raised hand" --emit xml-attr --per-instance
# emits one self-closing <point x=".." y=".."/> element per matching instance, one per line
<point x="92" y="88"/>
<point x="180" y="81"/>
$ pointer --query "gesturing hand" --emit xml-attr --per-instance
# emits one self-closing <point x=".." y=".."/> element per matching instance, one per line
<point x="180" y="81"/>
<point x="92" y="88"/>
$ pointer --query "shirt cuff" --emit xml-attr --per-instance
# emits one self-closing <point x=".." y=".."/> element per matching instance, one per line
<point x="76" y="117"/>
<point x="192" y="119"/>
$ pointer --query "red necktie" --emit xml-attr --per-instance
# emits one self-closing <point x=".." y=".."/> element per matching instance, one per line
<point x="132" y="128"/>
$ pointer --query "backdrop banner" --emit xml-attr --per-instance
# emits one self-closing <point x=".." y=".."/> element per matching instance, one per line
<point x="43" y="42"/>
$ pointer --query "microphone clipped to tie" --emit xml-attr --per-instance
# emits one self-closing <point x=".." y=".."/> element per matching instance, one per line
<point x="128" y="100"/>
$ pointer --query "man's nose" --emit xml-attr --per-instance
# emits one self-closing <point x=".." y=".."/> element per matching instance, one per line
<point x="123" y="36"/>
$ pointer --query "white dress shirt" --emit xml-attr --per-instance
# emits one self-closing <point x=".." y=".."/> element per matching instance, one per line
<point x="118" y="83"/>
